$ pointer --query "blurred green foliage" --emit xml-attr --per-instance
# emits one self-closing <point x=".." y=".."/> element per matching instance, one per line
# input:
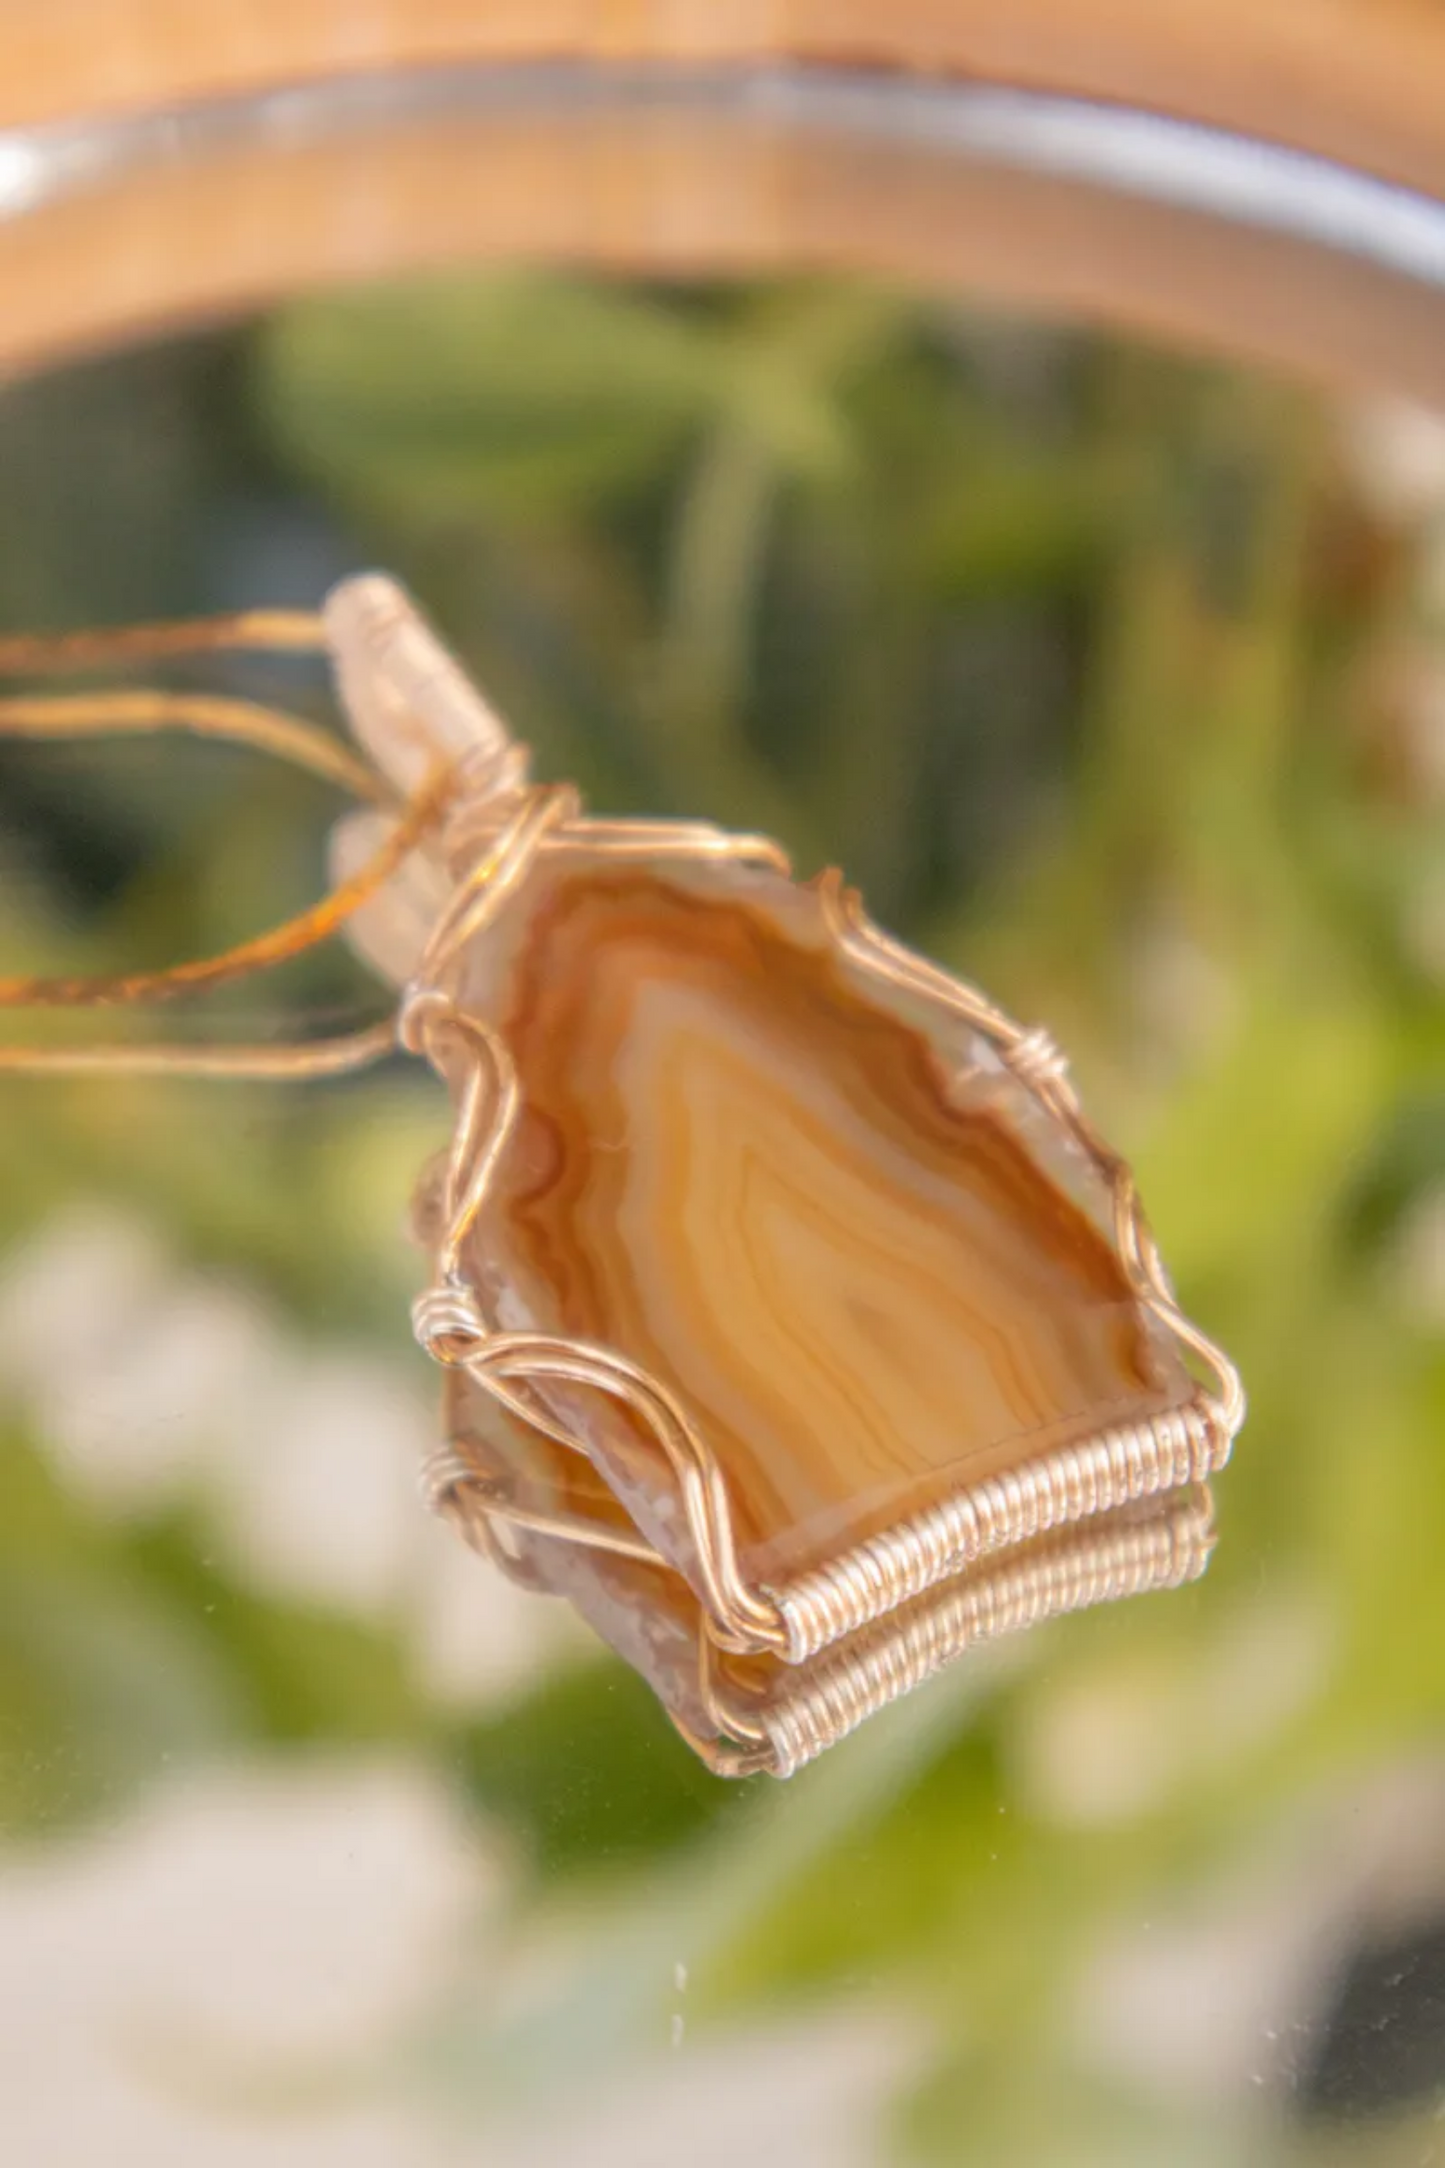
<point x="1077" y="658"/>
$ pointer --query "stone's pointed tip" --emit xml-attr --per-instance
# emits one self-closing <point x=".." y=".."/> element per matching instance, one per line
<point x="366" y="601"/>
<point x="410" y="702"/>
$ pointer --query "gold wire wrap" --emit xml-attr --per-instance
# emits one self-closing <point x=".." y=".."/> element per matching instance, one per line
<point x="797" y="1621"/>
<point x="855" y="1681"/>
<point x="286" y="737"/>
<point x="202" y="715"/>
<point x="284" y="1061"/>
<point x="36" y="654"/>
<point x="317" y="923"/>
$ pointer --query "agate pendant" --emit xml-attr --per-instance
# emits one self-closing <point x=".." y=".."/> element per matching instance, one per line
<point x="791" y="1266"/>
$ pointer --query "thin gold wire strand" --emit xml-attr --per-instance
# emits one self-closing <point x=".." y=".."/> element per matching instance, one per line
<point x="306" y="930"/>
<point x="293" y="1061"/>
<point x="303" y="745"/>
<point x="464" y="1496"/>
<point x="35" y="654"/>
<point x="203" y="715"/>
<point x="216" y="717"/>
<point x="502" y="867"/>
<point x="487" y="1114"/>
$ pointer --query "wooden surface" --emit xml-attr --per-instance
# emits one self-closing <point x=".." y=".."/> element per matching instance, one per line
<point x="175" y="240"/>
<point x="669" y="193"/>
<point x="1361" y="80"/>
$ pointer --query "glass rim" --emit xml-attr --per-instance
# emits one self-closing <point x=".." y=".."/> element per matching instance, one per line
<point x="1184" y="165"/>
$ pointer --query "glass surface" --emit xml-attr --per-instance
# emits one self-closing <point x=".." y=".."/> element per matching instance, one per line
<point x="1114" y="673"/>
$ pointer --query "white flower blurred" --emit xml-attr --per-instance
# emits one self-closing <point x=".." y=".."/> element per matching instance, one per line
<point x="813" y="2093"/>
<point x="1225" y="1994"/>
<point x="1109" y="1743"/>
<point x="1425" y="923"/>
<point x="1417" y="1266"/>
<point x="313" y="1497"/>
<point x="81" y="1307"/>
<point x="1185" y="997"/>
<point x="1430" y="581"/>
<point x="1426" y="719"/>
<point x="235" y="1973"/>
<point x="221" y="1976"/>
<point x="1396" y="453"/>
<point x="152" y="1386"/>
<point x="477" y="1640"/>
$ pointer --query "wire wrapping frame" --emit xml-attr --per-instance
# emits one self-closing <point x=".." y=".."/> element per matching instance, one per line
<point x="796" y="1621"/>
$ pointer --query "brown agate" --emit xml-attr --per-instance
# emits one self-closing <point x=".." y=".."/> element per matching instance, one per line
<point x="810" y="1203"/>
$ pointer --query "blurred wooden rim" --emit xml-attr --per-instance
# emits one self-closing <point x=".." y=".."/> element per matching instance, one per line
<point x="1360" y="81"/>
<point x="231" y="218"/>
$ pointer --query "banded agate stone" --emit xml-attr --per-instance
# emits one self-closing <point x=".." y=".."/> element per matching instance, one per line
<point x="811" y="1203"/>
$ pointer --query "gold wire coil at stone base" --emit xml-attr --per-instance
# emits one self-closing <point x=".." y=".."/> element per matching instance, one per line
<point x="749" y="1715"/>
<point x="1101" y="1562"/>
